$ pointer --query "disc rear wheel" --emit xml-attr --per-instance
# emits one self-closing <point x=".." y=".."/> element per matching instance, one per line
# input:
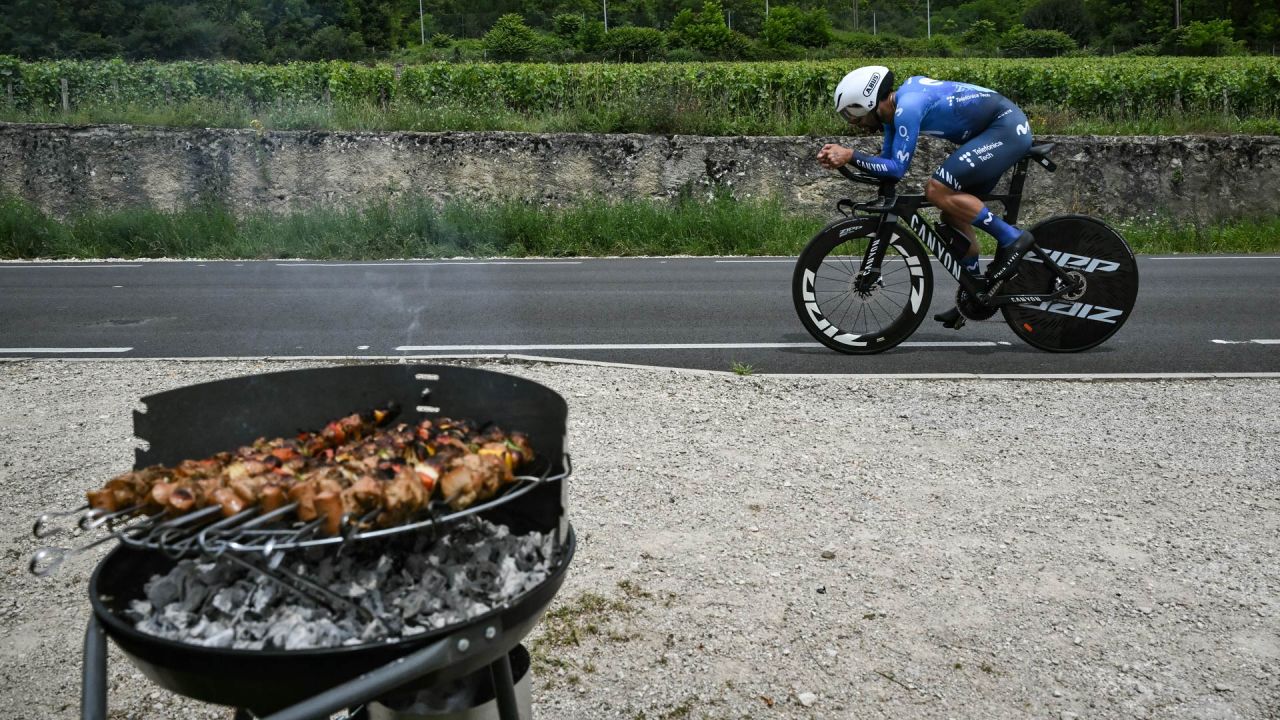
<point x="1098" y="259"/>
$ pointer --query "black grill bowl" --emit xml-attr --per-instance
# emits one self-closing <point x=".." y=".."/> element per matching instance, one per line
<point x="200" y="420"/>
<point x="267" y="681"/>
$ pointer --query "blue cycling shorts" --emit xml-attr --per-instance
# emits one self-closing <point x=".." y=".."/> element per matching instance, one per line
<point x="976" y="166"/>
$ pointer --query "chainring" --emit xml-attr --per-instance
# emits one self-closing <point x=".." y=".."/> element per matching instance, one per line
<point x="971" y="308"/>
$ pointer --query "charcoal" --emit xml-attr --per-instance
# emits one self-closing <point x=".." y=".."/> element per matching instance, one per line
<point x="409" y="585"/>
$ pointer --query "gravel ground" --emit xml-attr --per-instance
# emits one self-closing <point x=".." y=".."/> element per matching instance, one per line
<point x="794" y="548"/>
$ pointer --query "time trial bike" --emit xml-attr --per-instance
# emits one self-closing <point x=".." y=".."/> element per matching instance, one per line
<point x="864" y="283"/>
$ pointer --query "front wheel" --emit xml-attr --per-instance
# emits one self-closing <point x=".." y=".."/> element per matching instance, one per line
<point x="850" y="321"/>
<point x="1089" y="251"/>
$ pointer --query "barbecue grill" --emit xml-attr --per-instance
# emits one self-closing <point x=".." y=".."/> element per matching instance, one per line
<point x="200" y="420"/>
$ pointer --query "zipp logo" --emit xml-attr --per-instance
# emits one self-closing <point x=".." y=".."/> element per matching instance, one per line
<point x="1079" y="262"/>
<point x="1084" y="311"/>
<point x="871" y="85"/>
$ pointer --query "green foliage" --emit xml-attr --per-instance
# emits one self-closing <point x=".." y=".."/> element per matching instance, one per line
<point x="1068" y="16"/>
<point x="590" y="36"/>
<point x="789" y="25"/>
<point x="441" y="40"/>
<point x="417" y="227"/>
<point x="1021" y="42"/>
<point x="983" y="35"/>
<point x="634" y="44"/>
<point x="707" y="32"/>
<point x="738" y="92"/>
<point x="1215" y="37"/>
<point x="511" y="39"/>
<point x="567" y="25"/>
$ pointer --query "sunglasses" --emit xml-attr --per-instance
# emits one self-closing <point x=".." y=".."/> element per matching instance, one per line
<point x="853" y="113"/>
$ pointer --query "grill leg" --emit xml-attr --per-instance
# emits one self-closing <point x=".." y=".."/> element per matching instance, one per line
<point x="93" y="684"/>
<point x="504" y="688"/>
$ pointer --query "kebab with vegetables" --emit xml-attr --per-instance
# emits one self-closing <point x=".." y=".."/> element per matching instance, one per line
<point x="353" y="468"/>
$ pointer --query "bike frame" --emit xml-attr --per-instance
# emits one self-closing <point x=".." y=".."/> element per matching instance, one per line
<point x="894" y="206"/>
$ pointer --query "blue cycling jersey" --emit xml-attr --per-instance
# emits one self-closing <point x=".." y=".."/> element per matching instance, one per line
<point x="954" y="111"/>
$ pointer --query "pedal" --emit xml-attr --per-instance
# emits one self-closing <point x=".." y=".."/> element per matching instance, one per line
<point x="971" y="307"/>
<point x="951" y="319"/>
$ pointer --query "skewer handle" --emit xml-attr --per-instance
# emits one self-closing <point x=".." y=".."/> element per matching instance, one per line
<point x="46" y="560"/>
<point x="43" y="526"/>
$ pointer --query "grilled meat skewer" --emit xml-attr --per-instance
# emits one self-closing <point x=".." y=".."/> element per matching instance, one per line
<point x="349" y="469"/>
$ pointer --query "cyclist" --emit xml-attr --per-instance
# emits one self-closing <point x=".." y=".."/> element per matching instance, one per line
<point x="993" y="134"/>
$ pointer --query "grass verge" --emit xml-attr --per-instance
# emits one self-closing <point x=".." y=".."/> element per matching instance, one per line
<point x="658" y="116"/>
<point x="418" y="228"/>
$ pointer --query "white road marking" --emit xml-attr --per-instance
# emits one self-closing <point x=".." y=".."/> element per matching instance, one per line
<point x="791" y="261"/>
<point x="663" y="346"/>
<point x="428" y="264"/>
<point x="362" y="347"/>
<point x="66" y="350"/>
<point x="103" y="266"/>
<point x="1222" y="257"/>
<point x="1263" y="341"/>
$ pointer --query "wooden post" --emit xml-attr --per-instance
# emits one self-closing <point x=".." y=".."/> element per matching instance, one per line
<point x="326" y="96"/>
<point x="66" y="96"/>
<point x="115" y="89"/>
<point x="1226" y="103"/>
<point x="8" y="91"/>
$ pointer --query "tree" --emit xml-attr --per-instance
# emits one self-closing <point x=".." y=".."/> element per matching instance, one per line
<point x="790" y="25"/>
<point x="982" y="35"/>
<point x="1215" y="37"/>
<point x="1067" y="16"/>
<point x="1021" y="42"/>
<point x="634" y="44"/>
<point x="707" y="32"/>
<point x="511" y="39"/>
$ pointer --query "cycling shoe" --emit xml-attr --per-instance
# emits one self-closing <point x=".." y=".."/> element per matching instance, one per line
<point x="1005" y="264"/>
<point x="950" y="319"/>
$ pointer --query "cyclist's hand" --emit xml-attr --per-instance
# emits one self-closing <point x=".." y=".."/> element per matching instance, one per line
<point x="833" y="156"/>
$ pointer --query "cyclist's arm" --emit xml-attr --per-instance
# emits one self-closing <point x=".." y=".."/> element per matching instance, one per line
<point x="899" y="145"/>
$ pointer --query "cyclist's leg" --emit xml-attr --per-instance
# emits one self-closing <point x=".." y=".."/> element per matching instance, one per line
<point x="974" y="169"/>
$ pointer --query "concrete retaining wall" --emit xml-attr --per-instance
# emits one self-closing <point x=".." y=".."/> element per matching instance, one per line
<point x="62" y="169"/>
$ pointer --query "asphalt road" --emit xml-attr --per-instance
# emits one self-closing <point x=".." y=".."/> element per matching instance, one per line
<point x="1197" y="314"/>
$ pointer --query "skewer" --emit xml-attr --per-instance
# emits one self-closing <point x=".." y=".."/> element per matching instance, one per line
<point x="96" y="518"/>
<point x="41" y="527"/>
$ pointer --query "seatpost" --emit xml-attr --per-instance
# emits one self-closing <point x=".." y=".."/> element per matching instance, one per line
<point x="1013" y="203"/>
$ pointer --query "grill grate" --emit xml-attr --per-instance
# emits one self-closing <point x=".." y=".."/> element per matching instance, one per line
<point x="206" y="532"/>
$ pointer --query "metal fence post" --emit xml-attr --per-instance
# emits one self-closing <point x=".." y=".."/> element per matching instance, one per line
<point x="66" y="96"/>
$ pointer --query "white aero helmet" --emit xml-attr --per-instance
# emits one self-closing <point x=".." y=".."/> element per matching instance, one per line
<point x="860" y="90"/>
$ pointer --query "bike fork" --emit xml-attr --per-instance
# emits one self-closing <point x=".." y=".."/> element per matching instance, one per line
<point x="873" y="258"/>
